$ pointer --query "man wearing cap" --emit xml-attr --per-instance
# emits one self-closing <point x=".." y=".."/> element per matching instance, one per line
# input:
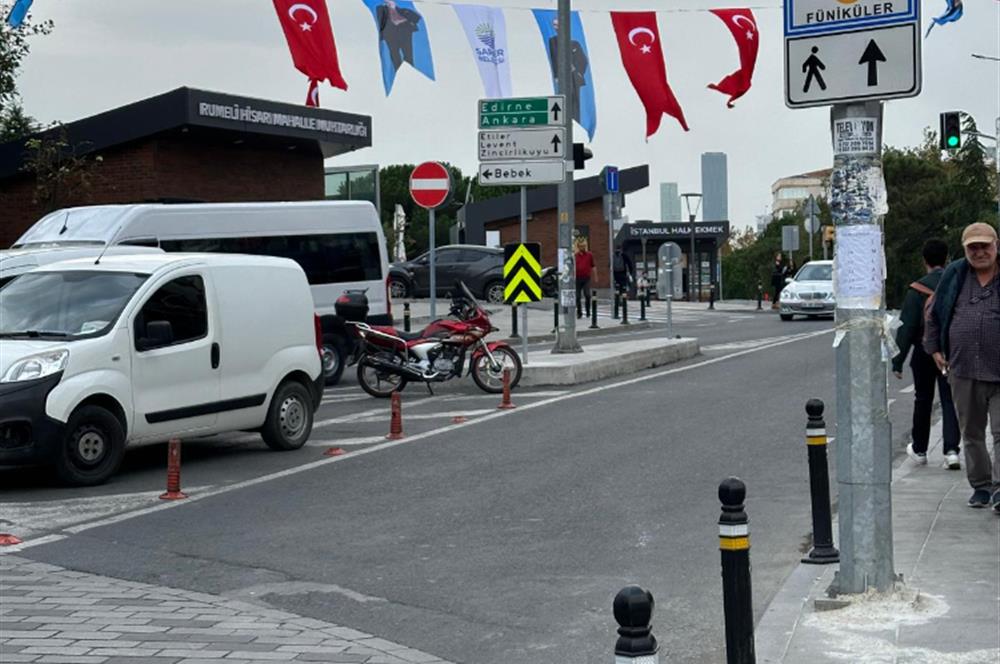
<point x="963" y="337"/>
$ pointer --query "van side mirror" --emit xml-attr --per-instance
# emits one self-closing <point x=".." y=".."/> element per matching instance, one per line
<point x="159" y="333"/>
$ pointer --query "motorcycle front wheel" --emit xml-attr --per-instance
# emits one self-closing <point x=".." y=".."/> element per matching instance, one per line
<point x="489" y="375"/>
<point x="378" y="382"/>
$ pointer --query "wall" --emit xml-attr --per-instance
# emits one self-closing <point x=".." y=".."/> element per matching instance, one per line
<point x="179" y="168"/>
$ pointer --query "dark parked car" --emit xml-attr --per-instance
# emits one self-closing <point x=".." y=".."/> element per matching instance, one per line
<point x="479" y="267"/>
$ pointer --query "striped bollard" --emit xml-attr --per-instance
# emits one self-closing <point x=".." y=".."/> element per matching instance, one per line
<point x="823" y="552"/>
<point x="734" y="544"/>
<point x="593" y="311"/>
<point x="173" y="491"/>
<point x="636" y="644"/>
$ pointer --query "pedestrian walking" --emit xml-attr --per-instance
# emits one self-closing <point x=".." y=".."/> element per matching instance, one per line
<point x="963" y="336"/>
<point x="779" y="272"/>
<point x="585" y="272"/>
<point x="624" y="270"/>
<point x="925" y="373"/>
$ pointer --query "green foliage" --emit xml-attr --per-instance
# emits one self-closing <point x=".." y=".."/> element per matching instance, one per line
<point x="929" y="197"/>
<point x="394" y="184"/>
<point x="13" y="50"/>
<point x="64" y="173"/>
<point x="15" y="124"/>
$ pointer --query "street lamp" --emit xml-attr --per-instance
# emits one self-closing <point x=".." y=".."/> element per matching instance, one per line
<point x="691" y="257"/>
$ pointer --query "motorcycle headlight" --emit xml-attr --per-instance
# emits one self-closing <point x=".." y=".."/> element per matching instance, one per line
<point x="37" y="366"/>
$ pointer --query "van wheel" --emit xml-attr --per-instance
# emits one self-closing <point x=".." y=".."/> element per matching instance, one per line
<point x="91" y="448"/>
<point x="289" y="417"/>
<point x="334" y="357"/>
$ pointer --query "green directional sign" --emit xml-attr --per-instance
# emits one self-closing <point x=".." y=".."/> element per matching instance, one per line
<point x="522" y="272"/>
<point x="522" y="112"/>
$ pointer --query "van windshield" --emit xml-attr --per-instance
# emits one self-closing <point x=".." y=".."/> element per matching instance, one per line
<point x="93" y="226"/>
<point x="76" y="304"/>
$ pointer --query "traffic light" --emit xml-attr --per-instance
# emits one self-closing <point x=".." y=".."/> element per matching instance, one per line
<point x="828" y="234"/>
<point x="951" y="130"/>
<point x="580" y="155"/>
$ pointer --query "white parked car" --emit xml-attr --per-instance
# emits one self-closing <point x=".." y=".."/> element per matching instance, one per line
<point x="809" y="292"/>
<point x="95" y="355"/>
<point x="339" y="245"/>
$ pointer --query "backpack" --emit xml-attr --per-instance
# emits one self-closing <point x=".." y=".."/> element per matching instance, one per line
<point x="619" y="263"/>
<point x="928" y="305"/>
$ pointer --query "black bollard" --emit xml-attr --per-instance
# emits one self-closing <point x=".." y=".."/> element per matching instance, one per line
<point x="617" y="305"/>
<point x="624" y="309"/>
<point x="633" y="609"/>
<point x="642" y="309"/>
<point x="406" y="316"/>
<point x="823" y="551"/>
<point x="513" y="319"/>
<point x="734" y="543"/>
<point x="593" y="311"/>
<point x="711" y="297"/>
<point x="760" y="296"/>
<point x="555" y="316"/>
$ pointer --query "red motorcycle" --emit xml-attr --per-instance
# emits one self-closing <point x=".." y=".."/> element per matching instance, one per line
<point x="388" y="358"/>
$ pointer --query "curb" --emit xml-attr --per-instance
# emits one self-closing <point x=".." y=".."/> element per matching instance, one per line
<point x="597" y="363"/>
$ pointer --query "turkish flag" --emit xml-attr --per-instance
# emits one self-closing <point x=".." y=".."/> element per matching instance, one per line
<point x="310" y="39"/>
<point x="744" y="28"/>
<point x="639" y="43"/>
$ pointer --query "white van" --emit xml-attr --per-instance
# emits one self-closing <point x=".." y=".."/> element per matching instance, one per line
<point x="144" y="348"/>
<point x="339" y="244"/>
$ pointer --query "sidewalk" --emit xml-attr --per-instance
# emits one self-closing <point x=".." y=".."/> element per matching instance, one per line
<point x="946" y="611"/>
<point x="50" y="615"/>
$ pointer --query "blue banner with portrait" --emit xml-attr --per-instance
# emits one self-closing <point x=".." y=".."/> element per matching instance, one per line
<point x="402" y="38"/>
<point x="581" y="87"/>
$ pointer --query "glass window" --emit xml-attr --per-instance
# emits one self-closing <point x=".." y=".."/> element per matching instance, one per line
<point x="326" y="259"/>
<point x="181" y="303"/>
<point x="447" y="256"/>
<point x="75" y="304"/>
<point x="815" y="273"/>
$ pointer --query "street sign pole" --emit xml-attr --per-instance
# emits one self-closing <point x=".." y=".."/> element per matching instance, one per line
<point x="432" y="266"/>
<point x="864" y="445"/>
<point x="566" y="334"/>
<point x="524" y="239"/>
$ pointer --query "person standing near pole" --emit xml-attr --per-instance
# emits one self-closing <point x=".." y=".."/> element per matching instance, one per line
<point x="925" y="373"/>
<point x="963" y="337"/>
<point x="585" y="272"/>
<point x="778" y="275"/>
<point x="624" y="270"/>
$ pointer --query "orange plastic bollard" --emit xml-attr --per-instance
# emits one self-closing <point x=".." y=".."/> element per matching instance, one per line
<point x="506" y="404"/>
<point x="396" y="420"/>
<point x="173" y="472"/>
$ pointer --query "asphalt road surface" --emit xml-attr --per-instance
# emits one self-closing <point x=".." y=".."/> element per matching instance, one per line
<point x="500" y="540"/>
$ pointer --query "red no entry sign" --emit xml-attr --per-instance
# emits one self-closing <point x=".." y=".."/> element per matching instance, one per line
<point x="430" y="184"/>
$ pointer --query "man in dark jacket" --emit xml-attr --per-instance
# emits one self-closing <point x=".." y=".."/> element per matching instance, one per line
<point x="925" y="373"/>
<point x="963" y="336"/>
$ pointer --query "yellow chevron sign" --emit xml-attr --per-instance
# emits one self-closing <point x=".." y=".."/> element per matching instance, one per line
<point x="522" y="273"/>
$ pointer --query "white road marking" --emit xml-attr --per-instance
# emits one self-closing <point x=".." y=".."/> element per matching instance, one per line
<point x="346" y="442"/>
<point x="288" y="472"/>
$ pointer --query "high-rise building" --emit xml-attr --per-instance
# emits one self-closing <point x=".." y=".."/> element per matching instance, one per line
<point x="670" y="202"/>
<point x="714" y="187"/>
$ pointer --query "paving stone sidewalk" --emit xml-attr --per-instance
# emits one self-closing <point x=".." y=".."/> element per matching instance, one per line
<point x="49" y="614"/>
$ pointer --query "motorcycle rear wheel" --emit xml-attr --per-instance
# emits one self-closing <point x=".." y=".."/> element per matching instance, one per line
<point x="376" y="382"/>
<point x="490" y="378"/>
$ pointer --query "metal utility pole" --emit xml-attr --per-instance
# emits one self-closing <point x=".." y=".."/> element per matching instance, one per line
<point x="692" y="256"/>
<point x="566" y="338"/>
<point x="864" y="435"/>
<point x="524" y="239"/>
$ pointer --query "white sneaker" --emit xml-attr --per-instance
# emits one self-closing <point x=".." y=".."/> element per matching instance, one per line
<point x="951" y="461"/>
<point x="919" y="459"/>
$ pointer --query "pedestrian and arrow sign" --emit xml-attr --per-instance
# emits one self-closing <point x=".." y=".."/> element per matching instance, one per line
<point x="845" y="67"/>
<point x="522" y="272"/>
<point x="522" y="112"/>
<point x="527" y="144"/>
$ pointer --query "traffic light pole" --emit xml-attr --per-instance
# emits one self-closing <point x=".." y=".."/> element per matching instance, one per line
<point x="864" y="435"/>
<point x="566" y="338"/>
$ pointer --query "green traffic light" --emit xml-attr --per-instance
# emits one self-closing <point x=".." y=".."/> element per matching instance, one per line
<point x="953" y="141"/>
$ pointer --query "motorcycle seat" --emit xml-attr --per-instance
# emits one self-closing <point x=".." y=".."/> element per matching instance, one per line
<point x="407" y="336"/>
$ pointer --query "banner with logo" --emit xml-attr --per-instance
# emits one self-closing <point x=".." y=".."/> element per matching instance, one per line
<point x="487" y="34"/>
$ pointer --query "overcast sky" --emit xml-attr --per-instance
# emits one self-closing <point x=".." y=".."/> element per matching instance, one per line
<point x="106" y="53"/>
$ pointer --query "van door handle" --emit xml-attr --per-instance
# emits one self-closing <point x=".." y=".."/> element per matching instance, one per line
<point x="215" y="356"/>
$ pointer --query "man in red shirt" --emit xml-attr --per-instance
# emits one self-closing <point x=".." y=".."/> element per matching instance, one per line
<point x="584" y="273"/>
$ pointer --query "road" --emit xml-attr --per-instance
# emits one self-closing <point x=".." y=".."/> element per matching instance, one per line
<point x="501" y="540"/>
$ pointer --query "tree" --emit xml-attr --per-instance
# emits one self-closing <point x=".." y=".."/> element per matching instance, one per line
<point x="14" y="49"/>
<point x="63" y="172"/>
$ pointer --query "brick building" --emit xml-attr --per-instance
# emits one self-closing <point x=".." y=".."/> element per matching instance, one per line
<point x="189" y="145"/>
<point x="503" y="214"/>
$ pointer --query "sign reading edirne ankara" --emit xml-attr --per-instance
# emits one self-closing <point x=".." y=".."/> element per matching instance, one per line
<point x="522" y="272"/>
